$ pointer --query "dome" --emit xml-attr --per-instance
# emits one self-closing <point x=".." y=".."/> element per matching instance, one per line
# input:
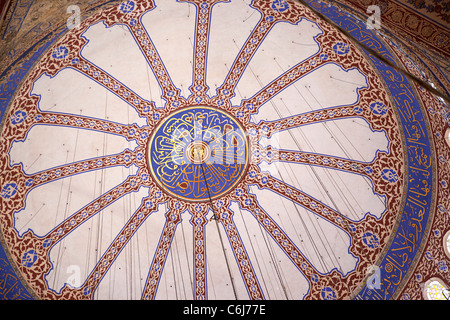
<point x="224" y="150"/>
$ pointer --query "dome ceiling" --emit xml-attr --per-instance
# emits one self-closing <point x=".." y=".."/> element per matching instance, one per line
<point x="222" y="150"/>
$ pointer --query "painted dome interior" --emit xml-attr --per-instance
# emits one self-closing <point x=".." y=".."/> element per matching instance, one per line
<point x="214" y="149"/>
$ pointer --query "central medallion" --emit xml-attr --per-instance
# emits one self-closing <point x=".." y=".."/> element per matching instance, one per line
<point x="198" y="153"/>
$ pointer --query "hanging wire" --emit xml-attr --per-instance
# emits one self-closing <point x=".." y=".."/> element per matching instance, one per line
<point x="390" y="36"/>
<point x="216" y="218"/>
<point x="446" y="297"/>
<point x="407" y="74"/>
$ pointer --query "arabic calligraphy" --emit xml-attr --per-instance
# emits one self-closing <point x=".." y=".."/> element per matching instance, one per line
<point x="198" y="153"/>
<point x="10" y="286"/>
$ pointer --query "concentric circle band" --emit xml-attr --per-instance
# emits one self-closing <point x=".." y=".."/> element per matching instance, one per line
<point x="198" y="153"/>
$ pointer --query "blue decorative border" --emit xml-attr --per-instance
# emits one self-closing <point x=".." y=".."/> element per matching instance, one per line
<point x="9" y="287"/>
<point x="419" y="194"/>
<point x="10" y="84"/>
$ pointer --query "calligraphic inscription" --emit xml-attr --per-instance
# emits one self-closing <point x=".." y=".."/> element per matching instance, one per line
<point x="398" y="257"/>
<point x="193" y="150"/>
<point x="11" y="288"/>
<point x="198" y="153"/>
